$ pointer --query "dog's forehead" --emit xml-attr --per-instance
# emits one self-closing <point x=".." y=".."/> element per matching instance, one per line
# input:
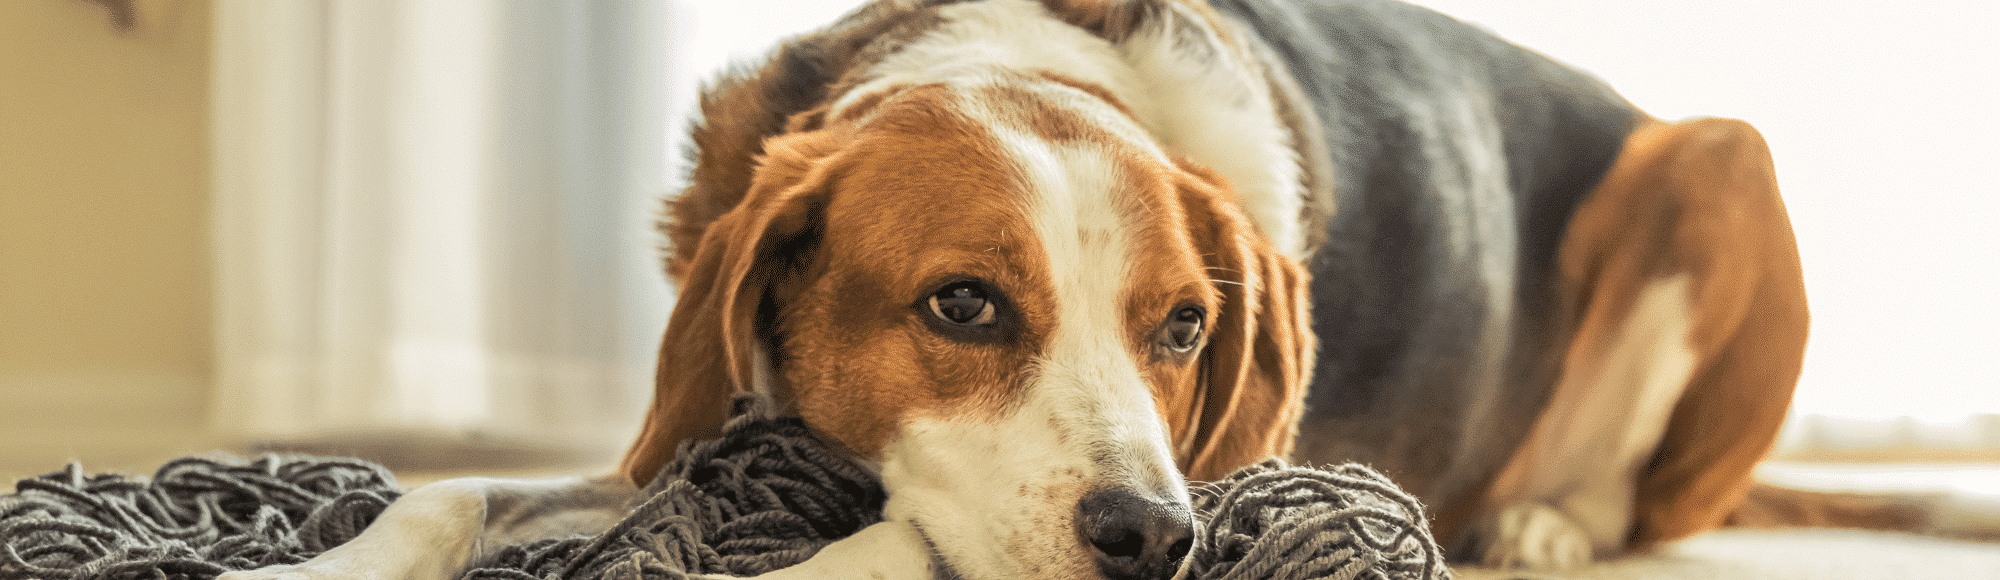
<point x="923" y="179"/>
<point x="993" y="167"/>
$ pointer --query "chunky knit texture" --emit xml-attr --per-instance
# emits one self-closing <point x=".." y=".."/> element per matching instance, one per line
<point x="766" y="495"/>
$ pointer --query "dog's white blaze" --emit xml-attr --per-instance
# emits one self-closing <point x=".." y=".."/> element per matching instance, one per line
<point x="1090" y="372"/>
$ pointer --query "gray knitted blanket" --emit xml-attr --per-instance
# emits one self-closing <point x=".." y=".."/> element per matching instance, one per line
<point x="764" y="496"/>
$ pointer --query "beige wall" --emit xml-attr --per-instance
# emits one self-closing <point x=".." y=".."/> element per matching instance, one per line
<point x="104" y="296"/>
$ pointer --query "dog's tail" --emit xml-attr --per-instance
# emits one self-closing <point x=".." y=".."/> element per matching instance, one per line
<point x="1937" y="513"/>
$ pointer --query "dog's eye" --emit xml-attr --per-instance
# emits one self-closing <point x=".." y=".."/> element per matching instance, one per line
<point x="1183" y="329"/>
<point x="962" y="303"/>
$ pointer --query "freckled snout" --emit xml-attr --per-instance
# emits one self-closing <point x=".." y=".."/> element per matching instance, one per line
<point x="1136" y="536"/>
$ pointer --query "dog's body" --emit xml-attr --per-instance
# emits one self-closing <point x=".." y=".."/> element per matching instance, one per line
<point x="1513" y="242"/>
<point x="1033" y="261"/>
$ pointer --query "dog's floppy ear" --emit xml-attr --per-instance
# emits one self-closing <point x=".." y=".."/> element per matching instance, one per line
<point x="1259" y="358"/>
<point x="747" y="262"/>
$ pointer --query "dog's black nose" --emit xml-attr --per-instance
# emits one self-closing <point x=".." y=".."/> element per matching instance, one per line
<point x="1135" y="536"/>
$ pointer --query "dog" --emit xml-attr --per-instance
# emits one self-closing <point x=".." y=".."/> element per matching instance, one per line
<point x="1035" y="263"/>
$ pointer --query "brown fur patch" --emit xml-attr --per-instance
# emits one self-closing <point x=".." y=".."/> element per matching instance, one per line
<point x="924" y="197"/>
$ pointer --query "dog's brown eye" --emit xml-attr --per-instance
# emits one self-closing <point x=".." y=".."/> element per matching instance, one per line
<point x="962" y="303"/>
<point x="1183" y="329"/>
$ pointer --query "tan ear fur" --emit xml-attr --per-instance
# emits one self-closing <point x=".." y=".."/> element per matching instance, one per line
<point x="743" y="262"/>
<point x="1259" y="360"/>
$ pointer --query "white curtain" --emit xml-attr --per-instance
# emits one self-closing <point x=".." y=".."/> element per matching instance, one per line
<point x="435" y="215"/>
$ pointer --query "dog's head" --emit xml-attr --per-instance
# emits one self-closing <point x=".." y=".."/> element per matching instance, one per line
<point x="1001" y="293"/>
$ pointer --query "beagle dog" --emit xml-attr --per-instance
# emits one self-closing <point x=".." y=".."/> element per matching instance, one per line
<point x="1036" y="262"/>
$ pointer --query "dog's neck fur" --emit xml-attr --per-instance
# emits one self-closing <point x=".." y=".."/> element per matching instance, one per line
<point x="1189" y="92"/>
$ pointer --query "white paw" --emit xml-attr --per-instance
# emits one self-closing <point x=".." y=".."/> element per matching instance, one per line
<point x="1535" y="536"/>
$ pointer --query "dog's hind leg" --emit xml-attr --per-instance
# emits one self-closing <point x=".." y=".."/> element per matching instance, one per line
<point x="1750" y="334"/>
<point x="1681" y="282"/>
<point x="435" y="531"/>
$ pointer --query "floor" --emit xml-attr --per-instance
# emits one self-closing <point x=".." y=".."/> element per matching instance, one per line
<point x="1799" y="554"/>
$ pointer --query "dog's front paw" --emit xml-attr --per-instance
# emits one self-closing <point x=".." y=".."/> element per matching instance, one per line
<point x="1534" y="536"/>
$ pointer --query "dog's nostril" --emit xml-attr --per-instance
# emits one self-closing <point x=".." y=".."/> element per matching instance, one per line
<point x="1136" y="537"/>
<point x="1120" y="544"/>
